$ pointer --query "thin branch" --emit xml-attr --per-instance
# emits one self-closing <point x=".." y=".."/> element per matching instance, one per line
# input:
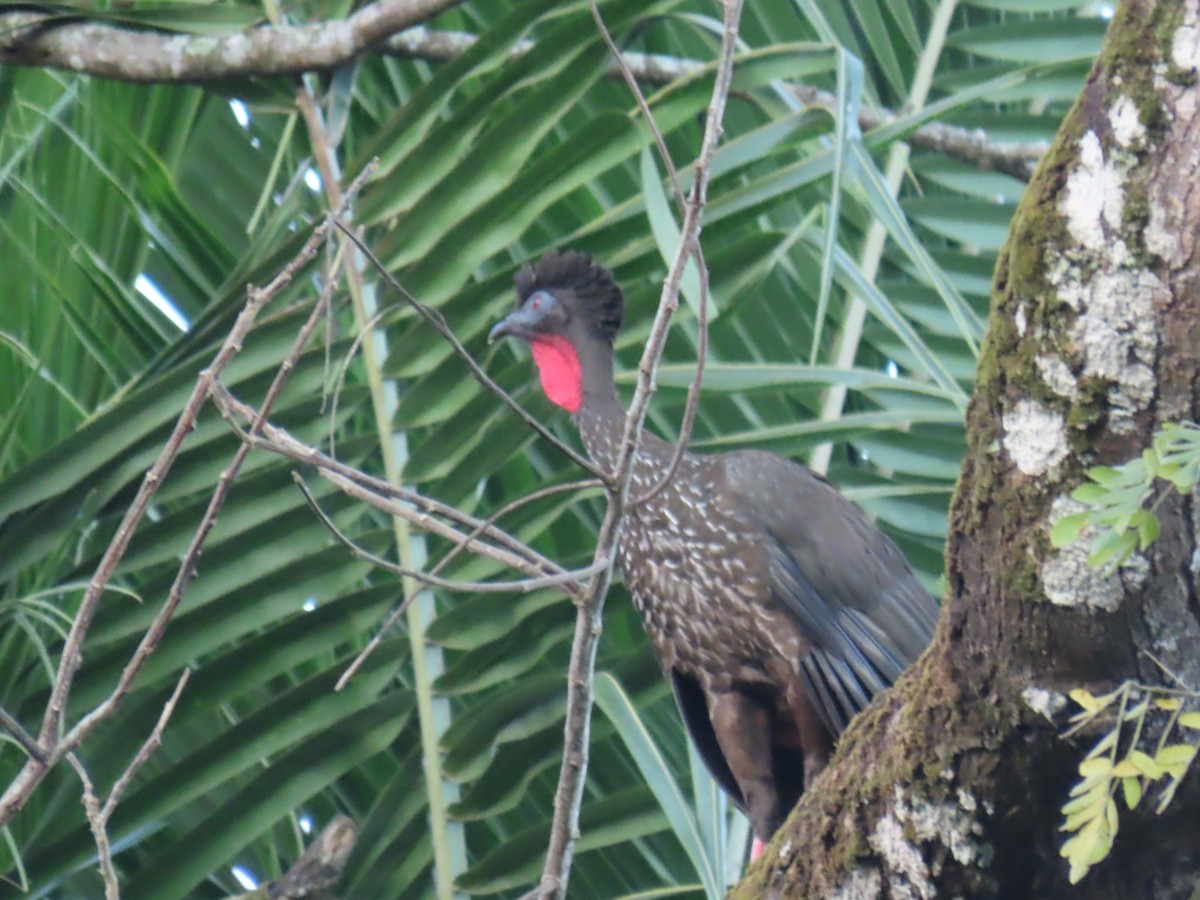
<point x="564" y="829"/>
<point x="277" y="440"/>
<point x="51" y="40"/>
<point x="373" y="644"/>
<point x="626" y="72"/>
<point x="21" y="736"/>
<point x="393" y="508"/>
<point x="521" y="584"/>
<point x="970" y="145"/>
<point x="54" y="746"/>
<point x="57" y="41"/>
<point x="438" y="321"/>
<point x="147" y="749"/>
<point x="344" y="369"/>
<point x="543" y="572"/>
<point x="98" y="815"/>
<point x="491" y="520"/>
<point x="91" y="809"/>
<point x="187" y="568"/>
<point x="693" y="392"/>
<point x="377" y="493"/>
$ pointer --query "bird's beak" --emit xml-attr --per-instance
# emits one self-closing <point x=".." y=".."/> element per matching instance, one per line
<point x="517" y="324"/>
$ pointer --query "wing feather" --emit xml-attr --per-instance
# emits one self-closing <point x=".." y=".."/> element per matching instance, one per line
<point x="849" y="588"/>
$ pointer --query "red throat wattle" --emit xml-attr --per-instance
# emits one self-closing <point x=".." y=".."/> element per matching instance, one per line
<point x="559" y="369"/>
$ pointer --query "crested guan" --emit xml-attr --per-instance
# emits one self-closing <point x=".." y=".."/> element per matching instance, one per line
<point x="774" y="606"/>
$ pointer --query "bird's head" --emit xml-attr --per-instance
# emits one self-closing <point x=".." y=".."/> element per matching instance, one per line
<point x="567" y="305"/>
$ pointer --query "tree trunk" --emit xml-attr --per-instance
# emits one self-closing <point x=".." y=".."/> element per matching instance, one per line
<point x="952" y="784"/>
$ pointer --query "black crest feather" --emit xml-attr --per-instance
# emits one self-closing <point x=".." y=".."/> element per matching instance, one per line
<point x="597" y="297"/>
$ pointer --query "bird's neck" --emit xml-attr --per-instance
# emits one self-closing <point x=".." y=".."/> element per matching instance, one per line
<point x="601" y="418"/>
<point x="578" y="376"/>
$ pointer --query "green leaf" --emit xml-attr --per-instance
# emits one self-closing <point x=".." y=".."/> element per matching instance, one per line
<point x="659" y="210"/>
<point x="1096" y="767"/>
<point x="1131" y="789"/>
<point x="1068" y="529"/>
<point x="290" y="780"/>
<point x="1175" y="757"/>
<point x="1053" y="40"/>
<point x="1190" y="720"/>
<point x="1091" y="494"/>
<point x="615" y="703"/>
<point x="1147" y="528"/>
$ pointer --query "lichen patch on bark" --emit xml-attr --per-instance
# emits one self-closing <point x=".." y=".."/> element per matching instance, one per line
<point x="1043" y="701"/>
<point x="1058" y="376"/>
<point x="1035" y="437"/>
<point x="915" y="836"/>
<point x="908" y="876"/>
<point x="1069" y="580"/>
<point x="1101" y="277"/>
<point x="1116" y="335"/>
<point x="1185" y="48"/>
<point x="1126" y="122"/>
<point x="863" y="883"/>
<point x="1094" y="200"/>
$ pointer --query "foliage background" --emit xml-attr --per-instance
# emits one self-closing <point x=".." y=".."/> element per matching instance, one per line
<point x="486" y="162"/>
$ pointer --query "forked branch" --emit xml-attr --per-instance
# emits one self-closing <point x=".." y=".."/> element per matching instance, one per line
<point x="564" y="829"/>
<point x="52" y="743"/>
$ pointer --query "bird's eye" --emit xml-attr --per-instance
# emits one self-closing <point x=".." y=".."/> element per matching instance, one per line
<point x="537" y="302"/>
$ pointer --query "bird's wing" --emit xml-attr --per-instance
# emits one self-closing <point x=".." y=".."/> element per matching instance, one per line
<point x="848" y="586"/>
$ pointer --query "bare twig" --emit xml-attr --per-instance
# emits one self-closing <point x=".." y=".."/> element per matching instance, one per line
<point x="512" y="552"/>
<point x="47" y="40"/>
<point x="151" y="744"/>
<point x="560" y="579"/>
<point x="98" y="815"/>
<point x="491" y="520"/>
<point x="52" y="40"/>
<point x="438" y="321"/>
<point x="344" y="368"/>
<point x="53" y="744"/>
<point x="373" y="644"/>
<point x="279" y="441"/>
<point x="693" y="392"/>
<point x="564" y="829"/>
<point x="623" y="67"/>
<point x="395" y="501"/>
<point x="21" y="736"/>
<point x="91" y="808"/>
<point x="970" y="145"/>
<point x="391" y="507"/>
<point x="187" y="568"/>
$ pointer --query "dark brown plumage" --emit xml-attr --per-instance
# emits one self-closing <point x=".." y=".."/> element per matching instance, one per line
<point x="774" y="606"/>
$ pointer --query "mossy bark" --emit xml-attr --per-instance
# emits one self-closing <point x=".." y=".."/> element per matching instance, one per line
<point x="950" y="785"/>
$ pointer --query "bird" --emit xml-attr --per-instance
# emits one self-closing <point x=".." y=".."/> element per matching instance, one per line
<point x="775" y="607"/>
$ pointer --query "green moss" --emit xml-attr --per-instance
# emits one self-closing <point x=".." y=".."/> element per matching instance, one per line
<point x="1169" y="20"/>
<point x="932" y="723"/>
<point x="1021" y="580"/>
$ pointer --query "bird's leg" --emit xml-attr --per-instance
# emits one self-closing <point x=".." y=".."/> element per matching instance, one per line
<point x="814" y="737"/>
<point x="742" y="725"/>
